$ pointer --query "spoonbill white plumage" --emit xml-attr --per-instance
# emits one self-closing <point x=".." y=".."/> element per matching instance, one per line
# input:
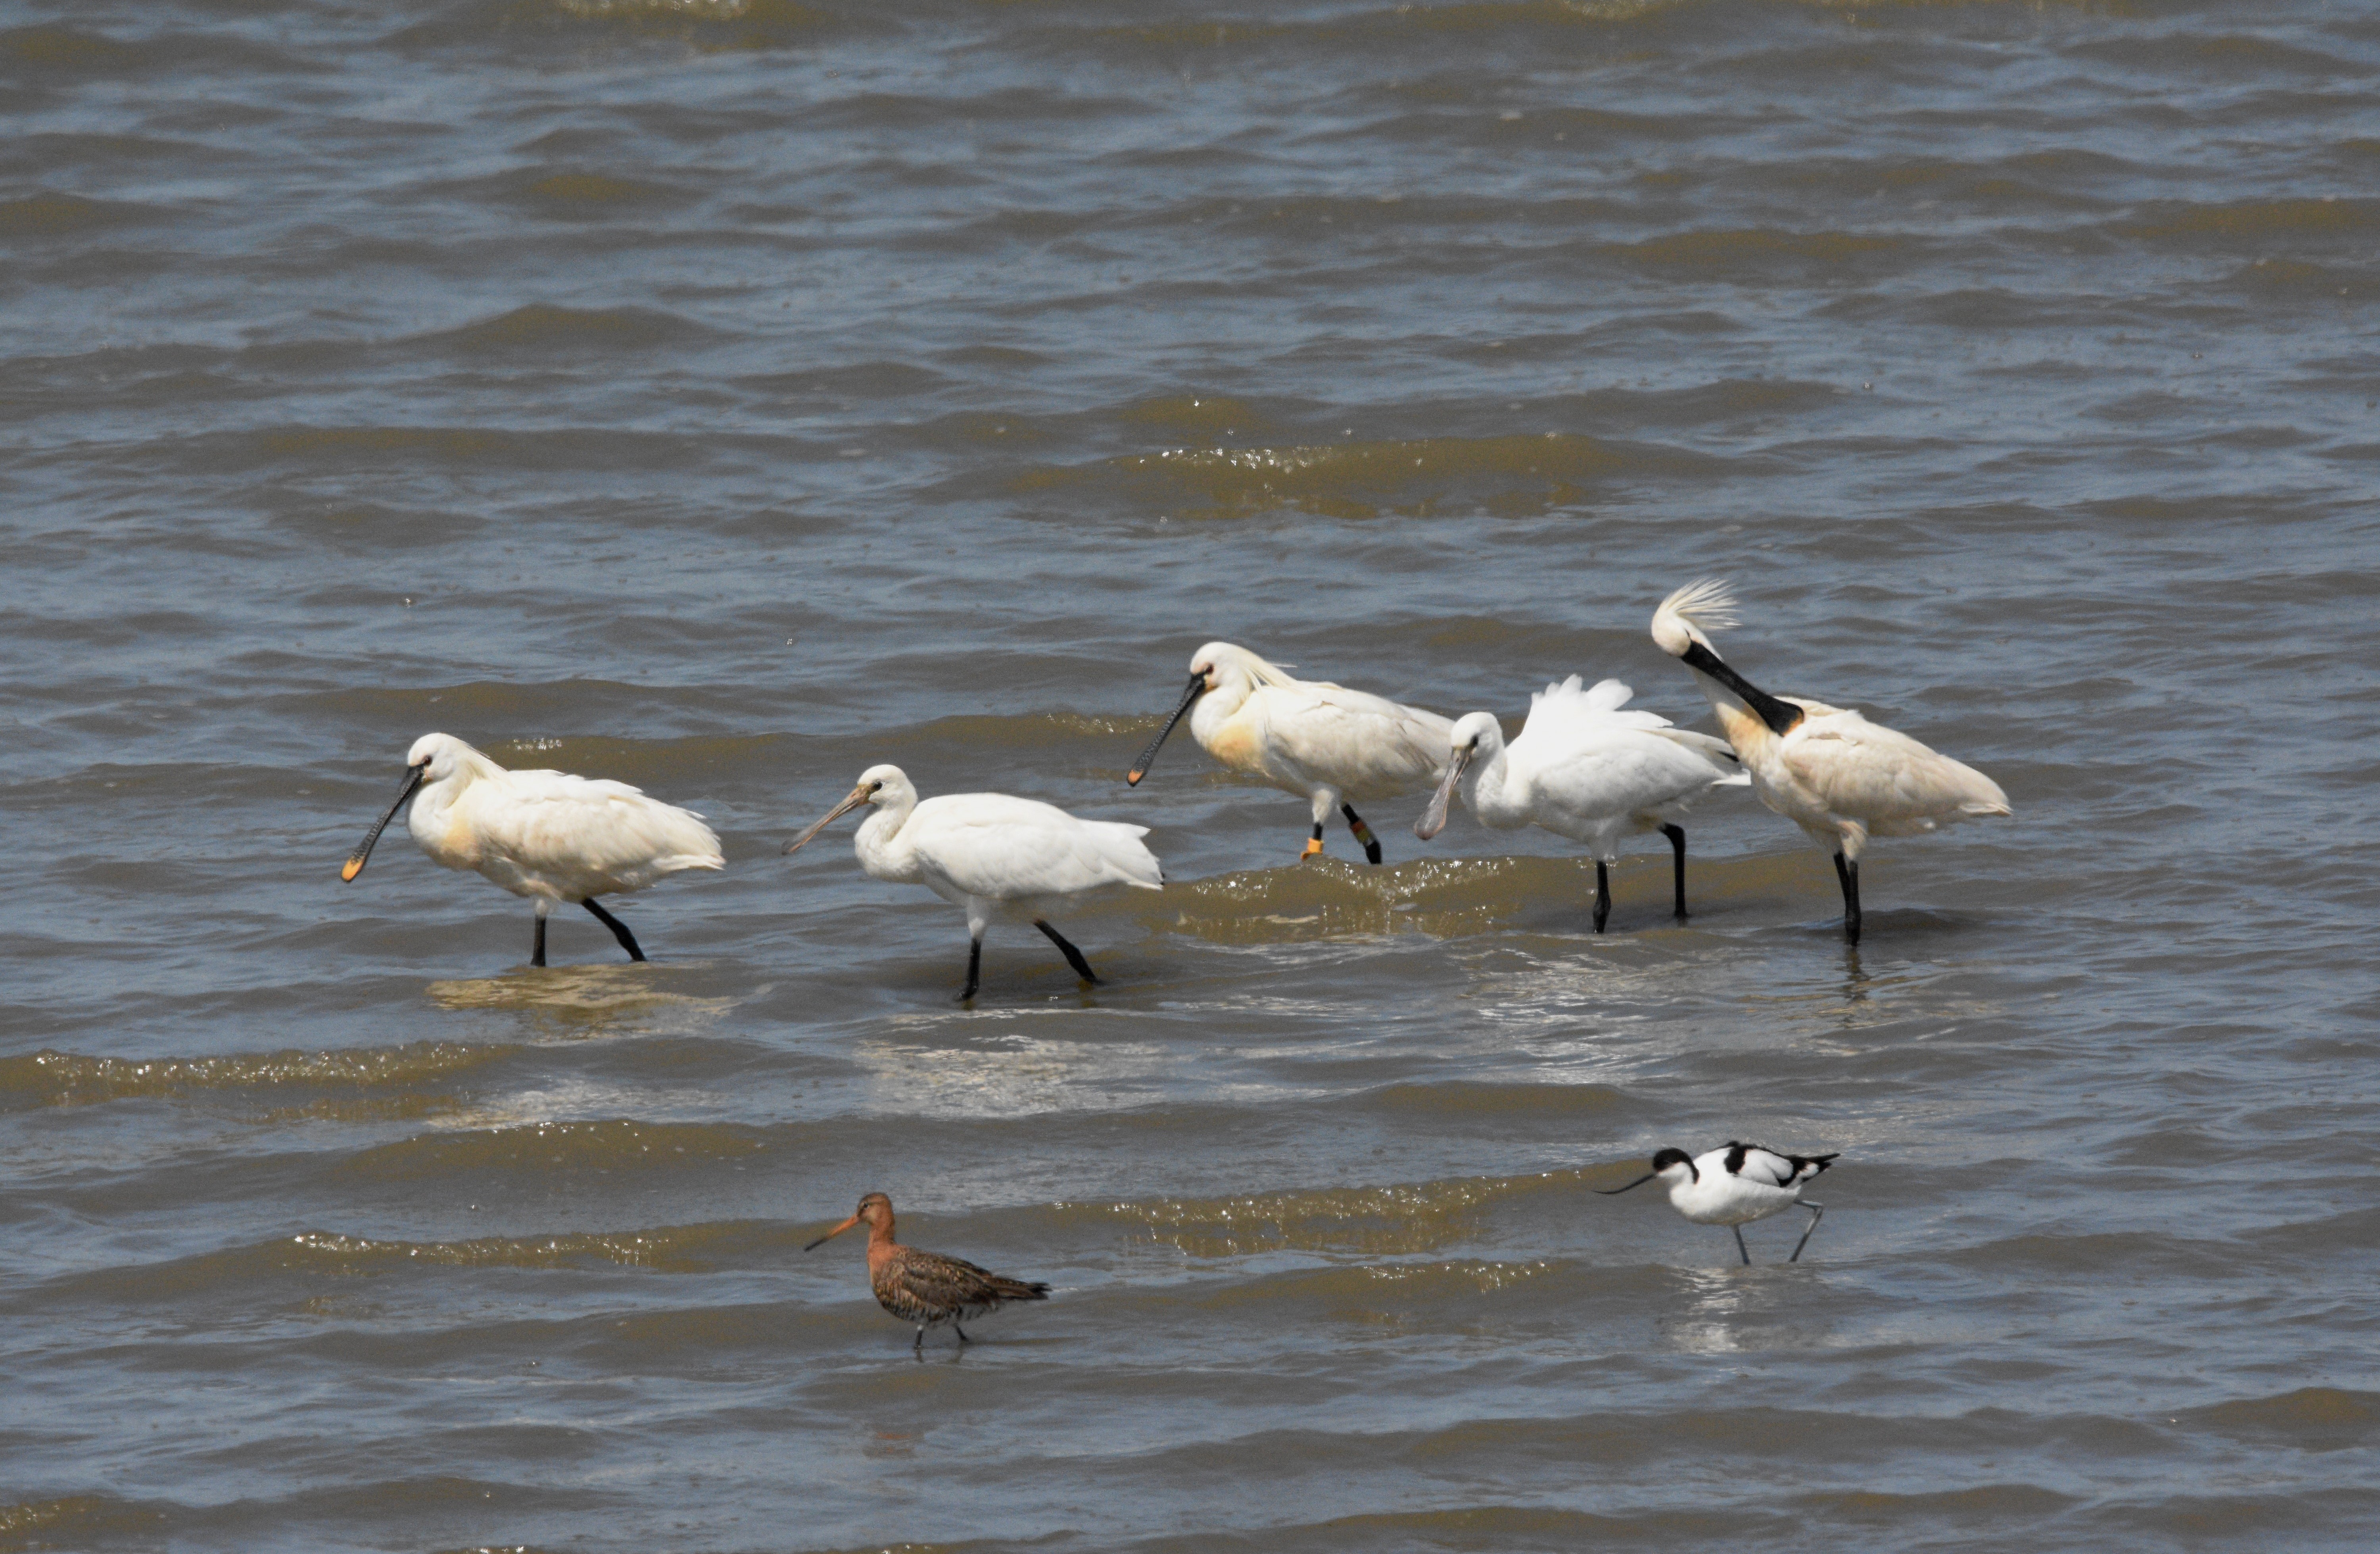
<point x="1322" y="742"/>
<point x="1583" y="768"/>
<point x="1829" y="771"/>
<point x="1735" y="1185"/>
<point x="546" y="835"/>
<point x="998" y="857"/>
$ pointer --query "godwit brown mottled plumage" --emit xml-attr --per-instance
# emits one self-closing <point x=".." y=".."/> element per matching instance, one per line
<point x="925" y="1287"/>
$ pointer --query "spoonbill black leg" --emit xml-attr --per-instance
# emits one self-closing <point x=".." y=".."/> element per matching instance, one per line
<point x="537" y="946"/>
<point x="1848" y="874"/>
<point x="1363" y="833"/>
<point x="1677" y="835"/>
<point x="1313" y="843"/>
<point x="1073" y="956"/>
<point x="975" y="978"/>
<point x="1602" y="895"/>
<point x="619" y="929"/>
<point x="1741" y="1248"/>
<point x="1817" y="1212"/>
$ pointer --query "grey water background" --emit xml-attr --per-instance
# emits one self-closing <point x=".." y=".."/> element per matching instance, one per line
<point x="723" y="398"/>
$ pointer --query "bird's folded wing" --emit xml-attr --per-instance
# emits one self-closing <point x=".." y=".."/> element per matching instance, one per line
<point x="1019" y="848"/>
<point x="1882" y="775"/>
<point x="1767" y="1167"/>
<point x="1333" y="729"/>
<point x="555" y="819"/>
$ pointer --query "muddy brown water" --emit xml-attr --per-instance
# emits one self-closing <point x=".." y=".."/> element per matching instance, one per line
<point x="724" y="397"/>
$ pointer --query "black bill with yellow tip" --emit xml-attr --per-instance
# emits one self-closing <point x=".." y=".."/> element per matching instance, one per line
<point x="362" y="855"/>
<point x="1196" y="688"/>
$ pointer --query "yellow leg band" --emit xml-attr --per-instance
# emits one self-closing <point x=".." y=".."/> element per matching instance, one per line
<point x="1313" y="848"/>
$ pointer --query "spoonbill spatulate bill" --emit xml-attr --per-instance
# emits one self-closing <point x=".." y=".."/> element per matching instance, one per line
<point x="546" y="835"/>
<point x="1324" y="743"/>
<point x="1735" y="1185"/>
<point x="1002" y="858"/>
<point x="1584" y="769"/>
<point x="1829" y="771"/>
<point x="927" y="1288"/>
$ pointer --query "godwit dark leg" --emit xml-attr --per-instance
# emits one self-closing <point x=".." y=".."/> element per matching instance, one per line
<point x="918" y="1343"/>
<point x="1847" y="873"/>
<point x="1677" y="835"/>
<point x="975" y="976"/>
<point x="1363" y="833"/>
<point x="1741" y="1248"/>
<point x="1602" y="895"/>
<point x="536" y="948"/>
<point x="961" y="1332"/>
<point x="1074" y="958"/>
<point x="619" y="929"/>
<point x="1817" y="1212"/>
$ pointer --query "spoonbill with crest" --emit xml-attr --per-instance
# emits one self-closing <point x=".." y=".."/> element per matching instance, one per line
<point x="1322" y="742"/>
<point x="1838" y="776"/>
<point x="1735" y="1185"/>
<point x="1583" y="768"/>
<point x="546" y="835"/>
<point x="998" y="857"/>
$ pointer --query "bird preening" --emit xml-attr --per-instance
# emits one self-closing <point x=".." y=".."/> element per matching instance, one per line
<point x="927" y="1288"/>
<point x="546" y="835"/>
<point x="1736" y="1184"/>
<point x="1830" y="771"/>
<point x="1000" y="858"/>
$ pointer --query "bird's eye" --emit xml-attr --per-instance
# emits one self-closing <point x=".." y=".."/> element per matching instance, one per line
<point x="875" y="787"/>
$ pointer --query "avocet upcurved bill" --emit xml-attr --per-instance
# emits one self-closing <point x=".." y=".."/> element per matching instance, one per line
<point x="546" y="835"/>
<point x="1322" y="742"/>
<point x="1838" y="776"/>
<point x="924" y="1287"/>
<point x="1583" y="768"/>
<point x="1735" y="1185"/>
<point x="996" y="857"/>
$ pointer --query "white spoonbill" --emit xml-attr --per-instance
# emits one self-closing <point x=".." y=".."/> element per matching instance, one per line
<point x="546" y="835"/>
<point x="996" y="857"/>
<point x="1322" y="742"/>
<point x="1583" y="768"/>
<point x="1736" y="1185"/>
<point x="1838" y="776"/>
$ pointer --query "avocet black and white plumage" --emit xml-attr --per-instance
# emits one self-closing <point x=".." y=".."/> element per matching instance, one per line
<point x="1735" y="1185"/>
<point x="1830" y="771"/>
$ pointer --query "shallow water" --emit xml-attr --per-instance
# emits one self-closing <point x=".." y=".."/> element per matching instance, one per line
<point x="723" y="398"/>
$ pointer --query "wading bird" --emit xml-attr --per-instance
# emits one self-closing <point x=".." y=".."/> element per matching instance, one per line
<point x="926" y="1287"/>
<point x="1322" y="742"/>
<point x="546" y="835"/>
<point x="1838" y="776"/>
<point x="1736" y="1185"/>
<point x="1583" y="768"/>
<point x="996" y="857"/>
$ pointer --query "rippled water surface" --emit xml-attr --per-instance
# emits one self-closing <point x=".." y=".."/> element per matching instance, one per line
<point x="723" y="398"/>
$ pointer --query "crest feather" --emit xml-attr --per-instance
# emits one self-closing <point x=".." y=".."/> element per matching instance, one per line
<point x="1709" y="605"/>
